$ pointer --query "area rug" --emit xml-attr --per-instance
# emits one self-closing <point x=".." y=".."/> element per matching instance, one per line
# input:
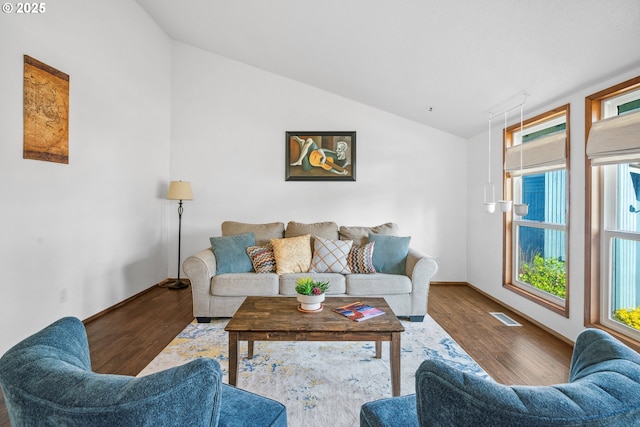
<point x="320" y="383"/>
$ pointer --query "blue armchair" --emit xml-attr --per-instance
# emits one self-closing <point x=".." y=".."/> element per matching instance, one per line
<point x="603" y="390"/>
<point x="47" y="381"/>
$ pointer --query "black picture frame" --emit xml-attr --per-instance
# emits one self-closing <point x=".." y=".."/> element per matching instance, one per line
<point x="320" y="156"/>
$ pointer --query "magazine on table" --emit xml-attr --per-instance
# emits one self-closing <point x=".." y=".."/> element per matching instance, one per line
<point x="358" y="311"/>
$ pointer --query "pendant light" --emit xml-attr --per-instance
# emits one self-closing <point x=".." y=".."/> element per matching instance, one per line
<point x="505" y="205"/>
<point x="505" y="108"/>
<point x="521" y="209"/>
<point x="489" y="205"/>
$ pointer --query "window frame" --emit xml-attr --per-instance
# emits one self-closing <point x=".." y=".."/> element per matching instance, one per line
<point x="594" y="233"/>
<point x="509" y="224"/>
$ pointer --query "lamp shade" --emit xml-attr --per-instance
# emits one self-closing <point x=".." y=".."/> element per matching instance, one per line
<point x="179" y="190"/>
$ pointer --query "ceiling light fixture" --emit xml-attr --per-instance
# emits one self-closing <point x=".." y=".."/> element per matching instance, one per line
<point x="489" y="205"/>
<point x="503" y="109"/>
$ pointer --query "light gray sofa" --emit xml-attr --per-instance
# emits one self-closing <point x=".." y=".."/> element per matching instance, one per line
<point x="220" y="295"/>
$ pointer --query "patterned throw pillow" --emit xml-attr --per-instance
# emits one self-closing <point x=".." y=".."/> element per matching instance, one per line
<point x="293" y="254"/>
<point x="262" y="258"/>
<point x="360" y="259"/>
<point x="330" y="256"/>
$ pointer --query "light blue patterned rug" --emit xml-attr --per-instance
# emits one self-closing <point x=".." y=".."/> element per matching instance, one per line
<point x="320" y="383"/>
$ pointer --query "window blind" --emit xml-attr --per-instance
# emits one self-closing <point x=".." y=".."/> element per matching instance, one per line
<point x="615" y="140"/>
<point x="540" y="155"/>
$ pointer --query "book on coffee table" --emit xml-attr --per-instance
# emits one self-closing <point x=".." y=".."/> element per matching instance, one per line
<point x="358" y="311"/>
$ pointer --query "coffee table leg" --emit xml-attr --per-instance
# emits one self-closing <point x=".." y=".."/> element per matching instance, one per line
<point x="395" y="363"/>
<point x="378" y="349"/>
<point x="233" y="358"/>
<point x="250" y="349"/>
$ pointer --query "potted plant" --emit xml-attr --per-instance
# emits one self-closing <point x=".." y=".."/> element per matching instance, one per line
<point x="310" y="293"/>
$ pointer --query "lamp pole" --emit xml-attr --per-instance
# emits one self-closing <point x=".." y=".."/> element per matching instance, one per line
<point x="179" y="190"/>
<point x="179" y="284"/>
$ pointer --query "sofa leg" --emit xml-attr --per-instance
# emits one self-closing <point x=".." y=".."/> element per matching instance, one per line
<point x="416" y="318"/>
<point x="203" y="319"/>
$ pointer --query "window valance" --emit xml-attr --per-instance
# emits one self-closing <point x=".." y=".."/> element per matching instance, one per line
<point x="615" y="140"/>
<point x="543" y="154"/>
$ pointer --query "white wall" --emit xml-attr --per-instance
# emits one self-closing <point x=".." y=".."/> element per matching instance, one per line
<point x="228" y="138"/>
<point x="96" y="226"/>
<point x="484" y="251"/>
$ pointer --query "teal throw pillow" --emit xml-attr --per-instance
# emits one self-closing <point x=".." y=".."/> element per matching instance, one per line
<point x="231" y="253"/>
<point x="390" y="254"/>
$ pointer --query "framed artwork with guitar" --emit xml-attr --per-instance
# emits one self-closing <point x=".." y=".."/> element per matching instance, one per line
<point x="320" y="156"/>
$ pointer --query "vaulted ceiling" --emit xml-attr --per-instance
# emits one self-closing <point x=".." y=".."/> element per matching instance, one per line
<point x="445" y="63"/>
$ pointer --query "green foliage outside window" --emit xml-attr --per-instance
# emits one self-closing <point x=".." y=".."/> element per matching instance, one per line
<point x="628" y="316"/>
<point x="546" y="274"/>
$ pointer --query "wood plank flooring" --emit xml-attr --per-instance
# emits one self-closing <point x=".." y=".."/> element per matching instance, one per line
<point x="124" y="340"/>
<point x="525" y="355"/>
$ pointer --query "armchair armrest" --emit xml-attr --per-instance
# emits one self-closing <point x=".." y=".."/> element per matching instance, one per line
<point x="200" y="268"/>
<point x="420" y="268"/>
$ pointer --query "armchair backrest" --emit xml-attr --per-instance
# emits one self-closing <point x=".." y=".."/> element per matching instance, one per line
<point x="603" y="390"/>
<point x="47" y="380"/>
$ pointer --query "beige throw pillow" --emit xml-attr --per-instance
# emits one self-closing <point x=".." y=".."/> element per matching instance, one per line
<point x="293" y="254"/>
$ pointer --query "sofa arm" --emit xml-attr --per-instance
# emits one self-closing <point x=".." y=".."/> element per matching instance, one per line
<point x="420" y="268"/>
<point x="392" y="411"/>
<point x="200" y="269"/>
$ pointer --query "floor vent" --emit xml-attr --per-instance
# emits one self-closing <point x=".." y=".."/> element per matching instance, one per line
<point x="505" y="319"/>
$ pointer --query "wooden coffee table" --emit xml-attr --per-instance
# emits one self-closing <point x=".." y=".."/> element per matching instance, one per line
<point x="278" y="319"/>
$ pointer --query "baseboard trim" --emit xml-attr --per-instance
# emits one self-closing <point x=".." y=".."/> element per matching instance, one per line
<point x="450" y="284"/>
<point x="164" y="283"/>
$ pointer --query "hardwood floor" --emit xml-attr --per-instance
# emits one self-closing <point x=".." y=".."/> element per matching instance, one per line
<point x="125" y="339"/>
<point x="525" y="355"/>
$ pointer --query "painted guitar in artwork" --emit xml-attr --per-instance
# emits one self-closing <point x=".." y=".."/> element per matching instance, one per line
<point x="315" y="158"/>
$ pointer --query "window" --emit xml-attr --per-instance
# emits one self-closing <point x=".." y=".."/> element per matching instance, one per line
<point x="613" y="197"/>
<point x="536" y="174"/>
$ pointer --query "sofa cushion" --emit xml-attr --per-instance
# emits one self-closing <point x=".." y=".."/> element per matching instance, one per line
<point x="390" y="254"/>
<point x="242" y="408"/>
<point x="360" y="235"/>
<point x="263" y="233"/>
<point x="330" y="256"/>
<point x="231" y="253"/>
<point x="243" y="284"/>
<point x="336" y="281"/>
<point x="360" y="259"/>
<point x="293" y="254"/>
<point x="377" y="284"/>
<point x="262" y="258"/>
<point x="326" y="230"/>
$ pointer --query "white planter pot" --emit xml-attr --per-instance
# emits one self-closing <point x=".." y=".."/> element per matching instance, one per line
<point x="490" y="207"/>
<point x="310" y="302"/>
<point x="505" y="205"/>
<point x="521" y="209"/>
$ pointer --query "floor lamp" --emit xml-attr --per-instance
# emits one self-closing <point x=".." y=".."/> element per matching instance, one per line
<point x="179" y="190"/>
